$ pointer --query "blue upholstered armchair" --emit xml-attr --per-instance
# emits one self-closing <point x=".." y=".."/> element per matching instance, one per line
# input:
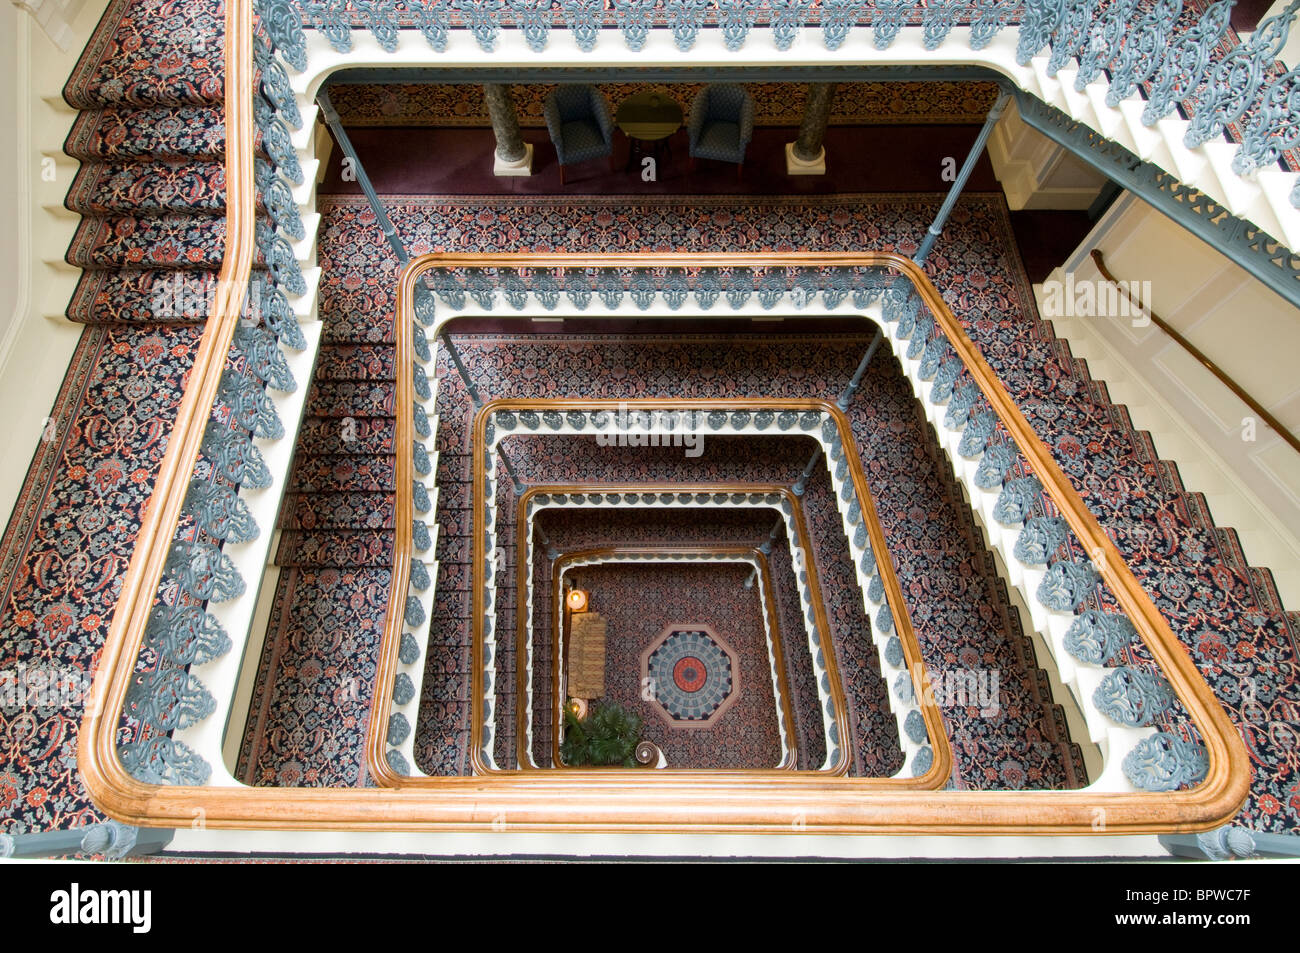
<point x="721" y="124"/>
<point x="579" y="123"/>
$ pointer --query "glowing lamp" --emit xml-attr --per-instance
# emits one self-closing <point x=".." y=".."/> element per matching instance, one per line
<point x="576" y="600"/>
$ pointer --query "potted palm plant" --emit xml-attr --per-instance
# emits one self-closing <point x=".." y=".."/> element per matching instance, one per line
<point x="607" y="737"/>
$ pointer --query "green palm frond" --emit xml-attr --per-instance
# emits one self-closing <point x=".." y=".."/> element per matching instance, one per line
<point x="607" y="736"/>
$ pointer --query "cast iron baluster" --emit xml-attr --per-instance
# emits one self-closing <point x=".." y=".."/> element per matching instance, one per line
<point x="332" y="19"/>
<point x="838" y="19"/>
<point x="533" y="18"/>
<point x="1037" y="24"/>
<point x="1144" y="49"/>
<point x="888" y="17"/>
<point x="787" y="19"/>
<point x="1104" y="40"/>
<point x="584" y="18"/>
<point x="987" y="20"/>
<point x="1237" y="81"/>
<point x="634" y="18"/>
<point x="283" y="25"/>
<point x="1071" y="35"/>
<point x="938" y="17"/>
<point x="1185" y="61"/>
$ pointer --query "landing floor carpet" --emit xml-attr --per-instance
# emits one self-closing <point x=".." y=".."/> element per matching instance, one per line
<point x="569" y="530"/>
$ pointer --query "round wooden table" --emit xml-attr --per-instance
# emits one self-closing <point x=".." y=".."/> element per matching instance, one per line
<point x="648" y="119"/>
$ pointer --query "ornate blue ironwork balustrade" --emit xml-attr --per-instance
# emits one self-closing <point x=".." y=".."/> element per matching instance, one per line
<point x="1132" y="693"/>
<point x="1177" y="55"/>
<point x="531" y="289"/>
<point x="182" y="633"/>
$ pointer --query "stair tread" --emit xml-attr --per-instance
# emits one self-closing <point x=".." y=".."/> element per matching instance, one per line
<point x="351" y="398"/>
<point x="179" y="132"/>
<point x="332" y="435"/>
<point x="336" y="548"/>
<point x="148" y="187"/>
<point x="341" y="330"/>
<point x="177" y="241"/>
<point x="339" y="510"/>
<point x="355" y="362"/>
<point x="356" y="473"/>
<point x="143" y="56"/>
<point x="319" y="664"/>
<point x="142" y="296"/>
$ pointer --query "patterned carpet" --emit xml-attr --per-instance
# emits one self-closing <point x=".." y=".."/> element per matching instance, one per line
<point x="669" y="365"/>
<point x="151" y="140"/>
<point x="1227" y="613"/>
<point x="149" y="88"/>
<point x="307" y="724"/>
<point x="544" y="460"/>
<point x="775" y="104"/>
<point x="311" y="703"/>
<point x="570" y="530"/>
<point x="67" y="546"/>
<point x="681" y="361"/>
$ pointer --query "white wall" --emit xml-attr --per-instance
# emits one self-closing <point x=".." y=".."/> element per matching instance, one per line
<point x="36" y="341"/>
<point x="57" y="18"/>
<point x="10" y="202"/>
<point x="1035" y="172"/>
<point x="1252" y="486"/>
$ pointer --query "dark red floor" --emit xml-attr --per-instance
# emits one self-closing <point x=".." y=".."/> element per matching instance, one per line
<point x="427" y="161"/>
<point x="1047" y="238"/>
<point x="1247" y="14"/>
<point x="458" y="161"/>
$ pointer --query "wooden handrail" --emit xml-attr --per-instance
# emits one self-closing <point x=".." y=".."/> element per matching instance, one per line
<point x="97" y="750"/>
<point x="842" y="720"/>
<point x="841" y="766"/>
<point x="1201" y="357"/>
<point x="613" y="553"/>
<point x="639" y="801"/>
<point x="941" y="766"/>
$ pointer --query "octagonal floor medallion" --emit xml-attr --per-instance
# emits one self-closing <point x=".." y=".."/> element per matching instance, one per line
<point x="690" y="674"/>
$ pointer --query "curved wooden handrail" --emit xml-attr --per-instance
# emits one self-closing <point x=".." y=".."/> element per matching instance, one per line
<point x="612" y="553"/>
<point x="940" y="770"/>
<point x="841" y="766"/>
<point x="650" y="801"/>
<point x="1202" y="358"/>
<point x="941" y="766"/>
<point x="97" y="756"/>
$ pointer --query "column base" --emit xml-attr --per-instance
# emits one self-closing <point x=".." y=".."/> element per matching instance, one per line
<point x="796" y="166"/>
<point x="522" y="166"/>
